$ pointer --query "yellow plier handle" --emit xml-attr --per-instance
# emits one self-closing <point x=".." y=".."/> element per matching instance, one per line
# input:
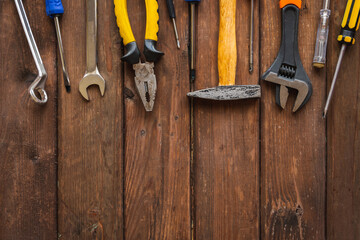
<point x="132" y="55"/>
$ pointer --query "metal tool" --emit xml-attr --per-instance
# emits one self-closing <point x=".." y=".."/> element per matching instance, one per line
<point x="92" y="75"/>
<point x="55" y="10"/>
<point x="171" y="9"/>
<point x="192" y="37"/>
<point x="145" y="79"/>
<point x="349" y="26"/>
<point x="37" y="87"/>
<point x="227" y="90"/>
<point x="251" y="57"/>
<point x="322" y="36"/>
<point x="287" y="70"/>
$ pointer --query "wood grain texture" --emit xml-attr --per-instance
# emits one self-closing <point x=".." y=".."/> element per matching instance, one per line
<point x="292" y="144"/>
<point x="343" y="133"/>
<point x="28" y="131"/>
<point x="91" y="133"/>
<point x="157" y="166"/>
<point x="226" y="158"/>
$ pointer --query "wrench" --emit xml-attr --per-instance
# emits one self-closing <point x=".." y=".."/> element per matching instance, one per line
<point x="37" y="87"/>
<point x="287" y="70"/>
<point x="92" y="75"/>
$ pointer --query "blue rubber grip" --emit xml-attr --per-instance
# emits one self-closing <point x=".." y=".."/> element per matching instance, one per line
<point x="192" y="0"/>
<point x="54" y="7"/>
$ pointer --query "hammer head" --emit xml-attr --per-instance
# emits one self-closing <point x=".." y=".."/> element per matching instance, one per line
<point x="233" y="92"/>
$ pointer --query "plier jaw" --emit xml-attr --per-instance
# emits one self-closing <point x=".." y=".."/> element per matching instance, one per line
<point x="145" y="81"/>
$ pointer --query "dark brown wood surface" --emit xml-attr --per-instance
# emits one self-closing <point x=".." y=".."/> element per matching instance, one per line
<point x="226" y="155"/>
<point x="90" y="183"/>
<point x="106" y="169"/>
<point x="343" y="134"/>
<point x="293" y="147"/>
<point x="28" y="138"/>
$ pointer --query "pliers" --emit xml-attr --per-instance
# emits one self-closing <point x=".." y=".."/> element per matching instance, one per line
<point x="145" y="79"/>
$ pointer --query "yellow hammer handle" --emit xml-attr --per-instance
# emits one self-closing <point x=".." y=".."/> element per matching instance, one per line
<point x="227" y="54"/>
<point x="122" y="20"/>
<point x="152" y="20"/>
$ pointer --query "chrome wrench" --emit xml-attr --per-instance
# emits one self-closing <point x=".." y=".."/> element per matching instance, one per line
<point x="92" y="75"/>
<point x="37" y="87"/>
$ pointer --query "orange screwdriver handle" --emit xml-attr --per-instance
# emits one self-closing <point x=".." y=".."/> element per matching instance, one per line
<point x="284" y="3"/>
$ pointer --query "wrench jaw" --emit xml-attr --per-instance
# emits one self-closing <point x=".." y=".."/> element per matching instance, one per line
<point x="93" y="78"/>
<point x="37" y="89"/>
<point x="303" y="87"/>
<point x="145" y="81"/>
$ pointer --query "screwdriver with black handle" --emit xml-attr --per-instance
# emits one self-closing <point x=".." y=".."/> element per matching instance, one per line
<point x="349" y="25"/>
<point x="55" y="9"/>
<point x="171" y="9"/>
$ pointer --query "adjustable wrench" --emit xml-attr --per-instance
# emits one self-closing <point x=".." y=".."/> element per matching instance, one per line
<point x="287" y="70"/>
<point x="37" y="87"/>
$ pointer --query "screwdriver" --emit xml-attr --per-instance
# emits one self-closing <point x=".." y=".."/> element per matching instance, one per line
<point x="55" y="9"/>
<point x="192" y="37"/>
<point x="171" y="8"/>
<point x="349" y="25"/>
<point x="322" y="36"/>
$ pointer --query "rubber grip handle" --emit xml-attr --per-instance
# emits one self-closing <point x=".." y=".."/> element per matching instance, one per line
<point x="122" y="20"/>
<point x="227" y="53"/>
<point x="152" y="20"/>
<point x="284" y="3"/>
<point x="350" y="22"/>
<point x="54" y="7"/>
<point x="171" y="8"/>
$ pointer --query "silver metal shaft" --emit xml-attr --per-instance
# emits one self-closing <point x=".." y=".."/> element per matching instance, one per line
<point x="62" y="58"/>
<point x="326" y="4"/>
<point x="176" y="33"/>
<point x="251" y="57"/>
<point x="91" y="35"/>
<point x="341" y="55"/>
<point x="38" y="85"/>
<point x="192" y="41"/>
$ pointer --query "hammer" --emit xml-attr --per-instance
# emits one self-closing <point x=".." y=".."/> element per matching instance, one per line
<point x="227" y="57"/>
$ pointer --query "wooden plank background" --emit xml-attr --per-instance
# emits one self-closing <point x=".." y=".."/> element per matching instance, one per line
<point x="105" y="169"/>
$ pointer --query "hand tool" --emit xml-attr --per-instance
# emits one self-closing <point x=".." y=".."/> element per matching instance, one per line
<point x="145" y="79"/>
<point x="251" y="57"/>
<point x="322" y="36"/>
<point x="227" y="57"/>
<point x="287" y="70"/>
<point x="92" y="75"/>
<point x="349" y="26"/>
<point x="37" y="88"/>
<point x="192" y="38"/>
<point x="171" y="9"/>
<point x="55" y="9"/>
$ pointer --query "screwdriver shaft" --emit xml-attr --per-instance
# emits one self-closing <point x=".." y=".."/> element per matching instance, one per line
<point x="176" y="33"/>
<point x="251" y="57"/>
<point x="61" y="51"/>
<point x="341" y="55"/>
<point x="192" y="41"/>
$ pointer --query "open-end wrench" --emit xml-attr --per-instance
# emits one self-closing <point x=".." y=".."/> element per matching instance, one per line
<point x="37" y="87"/>
<point x="92" y="75"/>
<point x="287" y="70"/>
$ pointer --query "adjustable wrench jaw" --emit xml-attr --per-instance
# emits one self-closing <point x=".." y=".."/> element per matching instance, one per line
<point x="287" y="70"/>
<point x="304" y="89"/>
